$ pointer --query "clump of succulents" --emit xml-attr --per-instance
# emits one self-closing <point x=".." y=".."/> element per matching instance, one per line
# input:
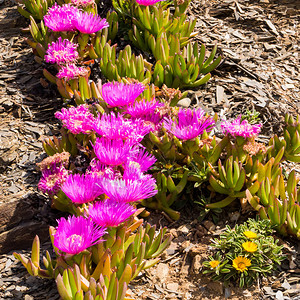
<point x="244" y="254"/>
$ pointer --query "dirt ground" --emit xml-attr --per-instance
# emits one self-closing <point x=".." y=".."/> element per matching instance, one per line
<point x="259" y="41"/>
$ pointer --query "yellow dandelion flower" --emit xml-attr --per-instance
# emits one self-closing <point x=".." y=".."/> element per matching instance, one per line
<point x="241" y="263"/>
<point x="250" y="246"/>
<point x="214" y="263"/>
<point x="250" y="234"/>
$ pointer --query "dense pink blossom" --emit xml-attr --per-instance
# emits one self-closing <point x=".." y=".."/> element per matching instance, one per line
<point x="89" y="23"/>
<point x="121" y="94"/>
<point x="153" y="120"/>
<point x="113" y="126"/>
<point x="61" y="18"/>
<point x="129" y="190"/>
<point x="144" y="159"/>
<point x="110" y="213"/>
<point x="99" y="169"/>
<point x="240" y="128"/>
<point x="142" y="108"/>
<point x="71" y="71"/>
<point x="75" y="234"/>
<point x="83" y="3"/>
<point x="52" y="179"/>
<point x="190" y="124"/>
<point x="147" y="2"/>
<point x="77" y="119"/>
<point x="112" y="152"/>
<point x="61" y="52"/>
<point x="82" y="188"/>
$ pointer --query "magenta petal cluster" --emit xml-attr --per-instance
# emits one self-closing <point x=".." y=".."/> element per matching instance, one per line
<point x="121" y="94"/>
<point x="52" y="179"/>
<point x="144" y="159"/>
<point x="61" y="52"/>
<point x="113" y="126"/>
<point x="147" y="2"/>
<point x="61" y="18"/>
<point x="129" y="190"/>
<point x="101" y="170"/>
<point x="71" y="71"/>
<point x="83" y="3"/>
<point x="77" y="119"/>
<point x="89" y="23"/>
<point x="82" y="188"/>
<point x="75" y="234"/>
<point x="142" y="108"/>
<point x="110" y="213"/>
<point x="112" y="152"/>
<point x="191" y="123"/>
<point x="240" y="128"/>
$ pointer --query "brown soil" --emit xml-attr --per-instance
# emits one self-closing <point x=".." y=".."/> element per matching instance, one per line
<point x="259" y="41"/>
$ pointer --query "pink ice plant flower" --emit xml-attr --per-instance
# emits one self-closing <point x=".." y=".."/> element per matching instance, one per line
<point x="240" y="128"/>
<point x="112" y="152"/>
<point x="129" y="190"/>
<point x="110" y="213"/>
<point x="101" y="170"/>
<point x="61" y="52"/>
<point x="144" y="159"/>
<point x="113" y="126"/>
<point x="71" y="71"/>
<point x="142" y="108"/>
<point x="147" y="2"/>
<point x="52" y="179"/>
<point x="82" y="3"/>
<point x="121" y="94"/>
<point x="89" y="23"/>
<point x="75" y="234"/>
<point x="77" y="119"/>
<point x="82" y="188"/>
<point x="61" y="18"/>
<point x="190" y="124"/>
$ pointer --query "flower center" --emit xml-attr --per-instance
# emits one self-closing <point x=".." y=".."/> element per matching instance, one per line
<point x="59" y="53"/>
<point x="75" y="239"/>
<point x="241" y="265"/>
<point x="51" y="181"/>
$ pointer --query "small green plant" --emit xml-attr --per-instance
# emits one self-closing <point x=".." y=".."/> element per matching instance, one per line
<point x="251" y="116"/>
<point x="244" y="253"/>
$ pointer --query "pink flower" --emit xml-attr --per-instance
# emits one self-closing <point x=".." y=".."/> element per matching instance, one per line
<point x="142" y="108"/>
<point x="98" y="169"/>
<point x="191" y="123"/>
<point x="61" y="52"/>
<point x="76" y="234"/>
<point x="82" y="188"/>
<point x="144" y="159"/>
<point x="71" y="71"/>
<point x="238" y="128"/>
<point x="147" y="2"/>
<point x="112" y="152"/>
<point x="110" y="213"/>
<point x="112" y="127"/>
<point x="82" y="3"/>
<point x="120" y="94"/>
<point x="77" y="119"/>
<point x="89" y="23"/>
<point x="52" y="179"/>
<point x="129" y="190"/>
<point x="61" y="18"/>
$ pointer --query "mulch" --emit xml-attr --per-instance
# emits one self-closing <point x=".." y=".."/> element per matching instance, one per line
<point x="259" y="41"/>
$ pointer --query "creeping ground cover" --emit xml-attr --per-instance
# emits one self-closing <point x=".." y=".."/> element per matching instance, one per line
<point x="127" y="147"/>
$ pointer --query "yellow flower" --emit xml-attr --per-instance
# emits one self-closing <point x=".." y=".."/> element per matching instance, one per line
<point x="250" y="234"/>
<point x="241" y="263"/>
<point x="214" y="263"/>
<point x="250" y="246"/>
